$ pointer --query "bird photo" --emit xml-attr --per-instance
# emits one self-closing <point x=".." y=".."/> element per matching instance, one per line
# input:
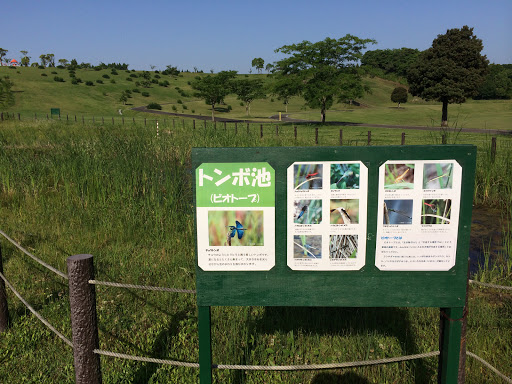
<point x="344" y="211"/>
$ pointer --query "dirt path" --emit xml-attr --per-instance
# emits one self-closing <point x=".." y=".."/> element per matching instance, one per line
<point x="286" y="119"/>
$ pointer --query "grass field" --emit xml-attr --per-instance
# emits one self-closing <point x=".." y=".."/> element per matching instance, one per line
<point x="37" y="94"/>
<point x="124" y="195"/>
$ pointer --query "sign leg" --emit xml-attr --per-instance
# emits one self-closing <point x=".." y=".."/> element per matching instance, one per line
<point x="205" y="345"/>
<point x="449" y="344"/>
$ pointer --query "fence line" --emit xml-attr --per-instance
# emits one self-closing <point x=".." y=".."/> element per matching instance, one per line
<point x="61" y="274"/>
<point x="508" y="288"/>
<point x="36" y="314"/>
<point x="146" y="287"/>
<point x="478" y="358"/>
<point x="146" y="359"/>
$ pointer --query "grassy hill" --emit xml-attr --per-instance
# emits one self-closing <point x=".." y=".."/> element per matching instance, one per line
<point x="37" y="92"/>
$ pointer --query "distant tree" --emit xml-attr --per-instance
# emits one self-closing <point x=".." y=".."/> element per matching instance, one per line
<point x="50" y="58"/>
<point x="396" y="61"/>
<point x="247" y="91"/>
<point x="497" y="83"/>
<point x="63" y="62"/>
<point x="35" y="64"/>
<point x="3" y="52"/>
<point x="284" y="87"/>
<point x="213" y="88"/>
<point x="25" y="59"/>
<point x="258" y="63"/>
<point x="73" y="64"/>
<point x="326" y="71"/>
<point x="6" y="95"/>
<point x="123" y="98"/>
<point x="451" y="70"/>
<point x="269" y="67"/>
<point x="399" y="95"/>
<point x="44" y="60"/>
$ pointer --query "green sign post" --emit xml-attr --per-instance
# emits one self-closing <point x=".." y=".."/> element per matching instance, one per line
<point x="295" y="226"/>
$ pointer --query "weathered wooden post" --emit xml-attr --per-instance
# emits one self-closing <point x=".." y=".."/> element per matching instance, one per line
<point x="403" y="138"/>
<point x="194" y="123"/>
<point x="277" y="130"/>
<point x="295" y="132"/>
<point x="248" y="131"/>
<point x="19" y="117"/>
<point x="82" y="299"/>
<point x="261" y="131"/>
<point x="316" y="135"/>
<point x="341" y="137"/>
<point x="4" y="311"/>
<point x="236" y="128"/>
<point x="493" y="149"/>
<point x="369" y="137"/>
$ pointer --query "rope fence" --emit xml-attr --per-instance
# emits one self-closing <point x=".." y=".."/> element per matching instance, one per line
<point x="97" y="351"/>
<point x="36" y="314"/>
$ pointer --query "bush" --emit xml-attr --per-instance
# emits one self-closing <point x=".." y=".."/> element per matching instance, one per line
<point x="44" y="74"/>
<point x="184" y="106"/>
<point x="89" y="83"/>
<point x="174" y="108"/>
<point x="136" y="90"/>
<point x="105" y="76"/>
<point x="230" y="108"/>
<point x="241" y="103"/>
<point x="154" y="81"/>
<point x="157" y="76"/>
<point x="145" y="94"/>
<point x="180" y="101"/>
<point x="133" y="75"/>
<point x="53" y="72"/>
<point x="40" y="67"/>
<point x="193" y="111"/>
<point x="74" y="81"/>
<point x="58" y="79"/>
<point x="112" y="81"/>
<point x="154" y="106"/>
<point x="99" y="81"/>
<point x="129" y="79"/>
<point x="114" y="72"/>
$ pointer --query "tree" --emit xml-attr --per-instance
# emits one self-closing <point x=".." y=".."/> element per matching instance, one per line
<point x="214" y="88"/>
<point x="450" y="71"/>
<point x="396" y="61"/>
<point x="399" y="95"/>
<point x="44" y="60"/>
<point x="63" y="62"/>
<point x="497" y="83"/>
<point x="50" y="58"/>
<point x="3" y="52"/>
<point x="284" y="87"/>
<point x="25" y="59"/>
<point x="6" y="95"/>
<point x="326" y="70"/>
<point x="258" y="63"/>
<point x="269" y="67"/>
<point x="247" y="91"/>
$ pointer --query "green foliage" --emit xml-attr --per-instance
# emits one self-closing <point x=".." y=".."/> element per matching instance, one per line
<point x="58" y="79"/>
<point x="324" y="71"/>
<point x="99" y="81"/>
<point x="214" y="88"/>
<point x="105" y="76"/>
<point x="44" y="74"/>
<point x="154" y="105"/>
<point x="145" y="94"/>
<point x="395" y="61"/>
<point x="247" y="91"/>
<point x="258" y="63"/>
<point x="89" y="83"/>
<point x="136" y="90"/>
<point x="129" y="79"/>
<point x="497" y="83"/>
<point x="399" y="95"/>
<point x="451" y="70"/>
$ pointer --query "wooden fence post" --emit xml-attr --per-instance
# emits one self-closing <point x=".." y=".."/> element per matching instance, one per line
<point x="19" y="117"/>
<point x="403" y="138"/>
<point x="443" y="139"/>
<point x="295" y="132"/>
<point x="316" y="135"/>
<point x="4" y="311"/>
<point x="493" y="149"/>
<point x="261" y="131"/>
<point x="248" y="130"/>
<point x="236" y="128"/>
<point x="341" y="137"/>
<point x="82" y="299"/>
<point x="369" y="137"/>
<point x="194" y="123"/>
<point x="277" y="129"/>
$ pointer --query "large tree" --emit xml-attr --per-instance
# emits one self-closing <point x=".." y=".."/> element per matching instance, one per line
<point x="247" y="91"/>
<point x="3" y="52"/>
<point x="451" y="70"/>
<point x="399" y="95"/>
<point x="214" y="88"/>
<point x="326" y="71"/>
<point x="258" y="63"/>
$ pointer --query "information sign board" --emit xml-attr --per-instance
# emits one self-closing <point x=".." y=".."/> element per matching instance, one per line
<point x="333" y="226"/>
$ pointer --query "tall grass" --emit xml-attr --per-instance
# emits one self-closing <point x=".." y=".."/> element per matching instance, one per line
<point x="123" y="194"/>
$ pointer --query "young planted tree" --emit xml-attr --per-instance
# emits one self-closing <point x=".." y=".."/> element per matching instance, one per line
<point x="284" y="87"/>
<point x="325" y="71"/>
<point x="247" y="91"/>
<point x="258" y="63"/>
<point x="214" y="88"/>
<point x="451" y="70"/>
<point x="399" y="95"/>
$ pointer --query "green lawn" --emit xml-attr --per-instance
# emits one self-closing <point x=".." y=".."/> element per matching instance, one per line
<point x="37" y="94"/>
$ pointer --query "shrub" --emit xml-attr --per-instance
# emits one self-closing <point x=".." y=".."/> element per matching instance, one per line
<point x="154" y="106"/>
<point x="180" y="101"/>
<point x="128" y="92"/>
<point x="184" y="106"/>
<point x="99" y="81"/>
<point x="241" y="103"/>
<point x="174" y="108"/>
<point x="162" y="84"/>
<point x="133" y="75"/>
<point x="53" y="72"/>
<point x="129" y="79"/>
<point x="154" y="81"/>
<point x="58" y="79"/>
<point x="74" y="81"/>
<point x="89" y="83"/>
<point x="136" y="90"/>
<point x="145" y="94"/>
<point x="112" y="81"/>
<point x="40" y="67"/>
<point x="230" y="108"/>
<point x="105" y="76"/>
<point x="114" y="72"/>
<point x="157" y="76"/>
<point x="44" y="74"/>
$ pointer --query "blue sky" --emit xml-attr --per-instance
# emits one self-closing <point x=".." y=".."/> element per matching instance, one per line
<point x="222" y="35"/>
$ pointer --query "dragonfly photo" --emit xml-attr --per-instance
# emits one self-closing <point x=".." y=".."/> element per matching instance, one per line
<point x="398" y="211"/>
<point x="344" y="211"/>
<point x="345" y="176"/>
<point x="436" y="211"/>
<point x="307" y="246"/>
<point x="342" y="246"/>
<point x="235" y="228"/>
<point x="438" y="176"/>
<point x="399" y="176"/>
<point x="307" y="211"/>
<point x="307" y="176"/>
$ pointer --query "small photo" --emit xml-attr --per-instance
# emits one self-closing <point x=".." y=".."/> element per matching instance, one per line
<point x="307" y="211"/>
<point x="345" y="176"/>
<point x="398" y="211"/>
<point x="344" y="211"/>
<point x="438" y="176"/>
<point x="307" y="176"/>
<point x="342" y="246"/>
<point x="399" y="176"/>
<point x="307" y="247"/>
<point x="436" y="211"/>
<point x="235" y="228"/>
